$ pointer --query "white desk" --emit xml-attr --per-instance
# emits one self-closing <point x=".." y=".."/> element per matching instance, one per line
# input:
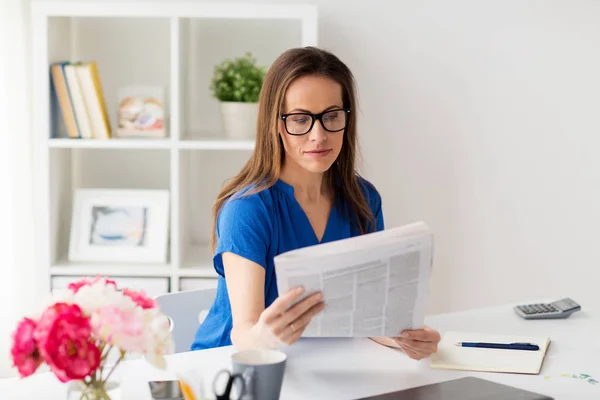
<point x="347" y="369"/>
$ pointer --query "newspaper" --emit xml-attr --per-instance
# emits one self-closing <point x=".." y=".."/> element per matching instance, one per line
<point x="373" y="285"/>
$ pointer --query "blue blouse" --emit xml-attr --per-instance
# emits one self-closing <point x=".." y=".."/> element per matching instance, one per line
<point x="260" y="226"/>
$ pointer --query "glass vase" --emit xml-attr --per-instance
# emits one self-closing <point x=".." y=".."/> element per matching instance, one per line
<point x="78" y="390"/>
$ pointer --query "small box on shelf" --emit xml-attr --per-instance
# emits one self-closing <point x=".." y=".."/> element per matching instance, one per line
<point x="142" y="112"/>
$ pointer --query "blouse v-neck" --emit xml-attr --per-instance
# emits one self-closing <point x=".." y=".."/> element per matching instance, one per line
<point x="289" y="191"/>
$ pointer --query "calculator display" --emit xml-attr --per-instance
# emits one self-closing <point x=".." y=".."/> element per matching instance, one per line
<point x="563" y="304"/>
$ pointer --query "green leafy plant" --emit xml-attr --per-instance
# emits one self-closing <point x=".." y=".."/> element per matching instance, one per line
<point x="238" y="80"/>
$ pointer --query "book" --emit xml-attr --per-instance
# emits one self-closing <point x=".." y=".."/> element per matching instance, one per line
<point x="63" y="97"/>
<point x="373" y="285"/>
<point x="450" y="356"/>
<point x="93" y="96"/>
<point x="79" y="108"/>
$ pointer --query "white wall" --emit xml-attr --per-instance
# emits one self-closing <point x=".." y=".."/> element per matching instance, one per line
<point x="7" y="292"/>
<point x="480" y="118"/>
<point x="17" y="282"/>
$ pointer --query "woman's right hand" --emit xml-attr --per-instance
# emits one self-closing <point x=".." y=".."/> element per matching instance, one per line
<point x="279" y="324"/>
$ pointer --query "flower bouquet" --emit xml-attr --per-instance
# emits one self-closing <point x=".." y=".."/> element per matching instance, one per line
<point x="74" y="335"/>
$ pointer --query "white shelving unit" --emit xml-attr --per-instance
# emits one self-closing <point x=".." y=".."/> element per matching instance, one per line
<point x="172" y="44"/>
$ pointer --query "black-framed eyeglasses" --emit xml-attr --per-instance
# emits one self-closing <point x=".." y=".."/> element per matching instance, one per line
<point x="299" y="124"/>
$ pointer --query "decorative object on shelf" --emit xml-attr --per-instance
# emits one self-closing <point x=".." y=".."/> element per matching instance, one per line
<point x="141" y="112"/>
<point x="236" y="84"/>
<point x="79" y="330"/>
<point x="119" y="225"/>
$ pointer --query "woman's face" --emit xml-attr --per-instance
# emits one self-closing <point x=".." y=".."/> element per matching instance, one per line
<point x="318" y="149"/>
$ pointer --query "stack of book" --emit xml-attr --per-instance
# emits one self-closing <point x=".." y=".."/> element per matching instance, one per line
<point x="81" y="105"/>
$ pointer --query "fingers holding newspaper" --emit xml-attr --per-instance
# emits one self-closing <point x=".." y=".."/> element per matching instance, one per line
<point x="286" y="321"/>
<point x="415" y="343"/>
<point x="419" y="343"/>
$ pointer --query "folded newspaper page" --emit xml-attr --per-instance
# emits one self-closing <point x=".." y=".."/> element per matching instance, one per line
<point x="373" y="285"/>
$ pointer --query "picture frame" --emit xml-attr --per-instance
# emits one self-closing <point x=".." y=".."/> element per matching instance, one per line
<point x="119" y="225"/>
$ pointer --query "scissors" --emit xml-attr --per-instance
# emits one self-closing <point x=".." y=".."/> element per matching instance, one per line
<point x="231" y="378"/>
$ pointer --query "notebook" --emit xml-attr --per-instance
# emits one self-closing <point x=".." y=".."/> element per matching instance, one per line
<point x="450" y="356"/>
<point x="469" y="388"/>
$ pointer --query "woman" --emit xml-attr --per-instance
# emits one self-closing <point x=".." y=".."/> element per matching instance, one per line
<point x="299" y="188"/>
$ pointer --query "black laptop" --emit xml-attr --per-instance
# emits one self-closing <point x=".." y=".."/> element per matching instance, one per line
<point x="469" y="388"/>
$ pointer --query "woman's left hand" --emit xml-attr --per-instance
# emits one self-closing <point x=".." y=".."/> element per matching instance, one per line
<point x="419" y="343"/>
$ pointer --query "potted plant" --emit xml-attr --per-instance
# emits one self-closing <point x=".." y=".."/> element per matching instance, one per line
<point x="236" y="84"/>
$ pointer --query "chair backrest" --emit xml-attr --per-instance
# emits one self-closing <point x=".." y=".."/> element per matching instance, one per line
<point x="186" y="311"/>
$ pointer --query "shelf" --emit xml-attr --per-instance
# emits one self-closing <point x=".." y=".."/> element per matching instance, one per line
<point x="193" y="144"/>
<point x="110" y="143"/>
<point x="216" y="144"/>
<point x="92" y="269"/>
<point x="174" y="46"/>
<point x="181" y="9"/>
<point x="197" y="272"/>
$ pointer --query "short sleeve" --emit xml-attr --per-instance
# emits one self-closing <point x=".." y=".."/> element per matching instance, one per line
<point x="243" y="229"/>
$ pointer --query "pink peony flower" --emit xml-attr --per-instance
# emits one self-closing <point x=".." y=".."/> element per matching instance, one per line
<point x="123" y="328"/>
<point x="140" y="298"/>
<point x="24" y="351"/>
<point x="63" y="336"/>
<point x="75" y="286"/>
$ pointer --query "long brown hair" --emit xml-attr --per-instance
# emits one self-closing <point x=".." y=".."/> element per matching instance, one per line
<point x="263" y="168"/>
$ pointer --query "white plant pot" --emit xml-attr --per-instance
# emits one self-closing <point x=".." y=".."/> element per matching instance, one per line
<point x="239" y="119"/>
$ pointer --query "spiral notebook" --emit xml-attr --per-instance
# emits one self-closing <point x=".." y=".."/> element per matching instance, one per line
<point x="450" y="356"/>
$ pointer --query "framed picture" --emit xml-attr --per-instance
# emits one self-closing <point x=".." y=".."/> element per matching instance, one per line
<point x="120" y="225"/>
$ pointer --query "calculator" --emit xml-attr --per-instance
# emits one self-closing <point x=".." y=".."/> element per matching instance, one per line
<point x="562" y="308"/>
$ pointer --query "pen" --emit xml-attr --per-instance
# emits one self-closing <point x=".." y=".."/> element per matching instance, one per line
<point x="505" y="346"/>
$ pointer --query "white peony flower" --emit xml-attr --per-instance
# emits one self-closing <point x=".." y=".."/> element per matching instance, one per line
<point x="92" y="298"/>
